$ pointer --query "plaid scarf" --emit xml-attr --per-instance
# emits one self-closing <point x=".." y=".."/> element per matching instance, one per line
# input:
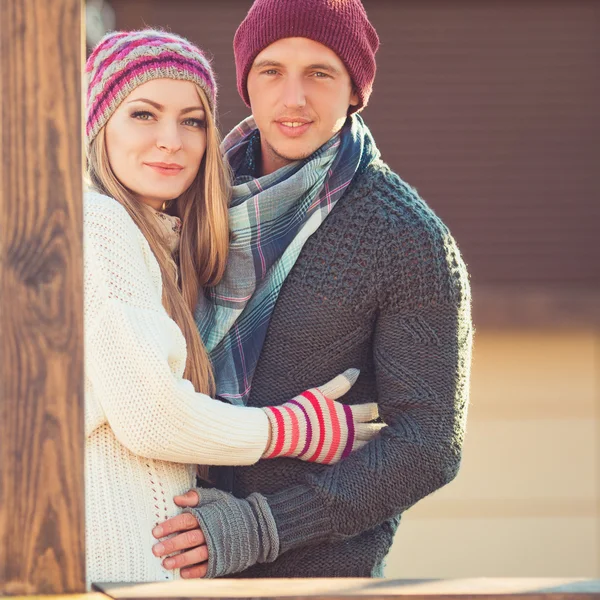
<point x="271" y="218"/>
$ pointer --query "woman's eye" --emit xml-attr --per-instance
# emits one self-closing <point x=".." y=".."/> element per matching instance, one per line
<point x="142" y="115"/>
<point x="199" y="123"/>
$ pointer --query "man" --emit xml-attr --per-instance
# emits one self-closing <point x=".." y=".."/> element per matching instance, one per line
<point x="348" y="268"/>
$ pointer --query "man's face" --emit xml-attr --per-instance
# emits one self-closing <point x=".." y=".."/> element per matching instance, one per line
<point x="300" y="92"/>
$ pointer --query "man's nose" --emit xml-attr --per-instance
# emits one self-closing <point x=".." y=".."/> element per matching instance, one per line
<point x="294" y="95"/>
<point x="169" y="137"/>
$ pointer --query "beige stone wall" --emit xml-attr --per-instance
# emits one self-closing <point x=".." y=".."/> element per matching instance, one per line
<point x="527" y="499"/>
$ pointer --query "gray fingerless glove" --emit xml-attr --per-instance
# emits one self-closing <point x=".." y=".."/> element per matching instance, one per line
<point x="239" y="532"/>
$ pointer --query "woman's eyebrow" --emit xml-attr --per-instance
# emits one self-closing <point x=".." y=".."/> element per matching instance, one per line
<point x="160" y="107"/>
<point x="191" y="108"/>
<point x="156" y="105"/>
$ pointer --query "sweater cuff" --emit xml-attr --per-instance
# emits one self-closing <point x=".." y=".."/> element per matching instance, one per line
<point x="239" y="532"/>
<point x="301" y="517"/>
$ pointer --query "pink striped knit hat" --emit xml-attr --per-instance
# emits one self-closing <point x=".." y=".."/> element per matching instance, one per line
<point x="124" y="60"/>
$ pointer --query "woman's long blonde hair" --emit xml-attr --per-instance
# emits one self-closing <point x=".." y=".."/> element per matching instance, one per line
<point x="204" y="238"/>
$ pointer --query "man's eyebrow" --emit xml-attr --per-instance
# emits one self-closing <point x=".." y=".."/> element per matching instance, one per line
<point x="314" y="67"/>
<point x="267" y="62"/>
<point x="161" y="107"/>
<point x="323" y="67"/>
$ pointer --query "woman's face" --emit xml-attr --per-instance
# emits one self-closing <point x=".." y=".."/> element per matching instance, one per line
<point x="156" y="140"/>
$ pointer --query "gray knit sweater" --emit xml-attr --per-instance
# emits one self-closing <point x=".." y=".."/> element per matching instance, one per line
<point x="380" y="286"/>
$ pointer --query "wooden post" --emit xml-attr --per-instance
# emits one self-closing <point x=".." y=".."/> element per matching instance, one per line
<point x="41" y="324"/>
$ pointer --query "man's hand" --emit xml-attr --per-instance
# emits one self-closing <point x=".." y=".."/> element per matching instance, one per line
<point x="218" y="534"/>
<point x="193" y="562"/>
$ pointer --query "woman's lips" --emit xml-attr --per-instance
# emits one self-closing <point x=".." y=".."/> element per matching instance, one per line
<point x="165" y="169"/>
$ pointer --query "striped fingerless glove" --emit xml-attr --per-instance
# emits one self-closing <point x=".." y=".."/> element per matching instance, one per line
<point x="314" y="427"/>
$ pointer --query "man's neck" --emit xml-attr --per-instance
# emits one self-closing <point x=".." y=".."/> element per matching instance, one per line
<point x="270" y="161"/>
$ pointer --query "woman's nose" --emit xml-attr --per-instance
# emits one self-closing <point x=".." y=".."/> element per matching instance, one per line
<point x="169" y="138"/>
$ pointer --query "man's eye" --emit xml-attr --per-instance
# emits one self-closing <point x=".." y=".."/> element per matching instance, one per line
<point x="321" y="75"/>
<point x="270" y="72"/>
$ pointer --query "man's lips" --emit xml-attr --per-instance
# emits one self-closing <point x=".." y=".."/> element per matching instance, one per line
<point x="165" y="168"/>
<point x="293" y="126"/>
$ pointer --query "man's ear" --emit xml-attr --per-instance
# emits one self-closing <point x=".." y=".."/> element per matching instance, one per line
<point x="354" y="97"/>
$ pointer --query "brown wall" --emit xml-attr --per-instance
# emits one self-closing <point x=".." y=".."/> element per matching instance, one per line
<point x="488" y="107"/>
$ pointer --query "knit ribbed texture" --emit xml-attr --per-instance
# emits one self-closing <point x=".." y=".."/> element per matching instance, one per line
<point x="292" y="506"/>
<point x="341" y="25"/>
<point x="316" y="428"/>
<point x="382" y="287"/>
<point x="124" y="60"/>
<point x="224" y="518"/>
<point x="145" y="426"/>
<point x="311" y="427"/>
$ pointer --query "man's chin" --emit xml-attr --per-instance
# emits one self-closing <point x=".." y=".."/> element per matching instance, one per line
<point x="290" y="153"/>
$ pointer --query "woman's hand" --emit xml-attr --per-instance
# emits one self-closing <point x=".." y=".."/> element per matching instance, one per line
<point x="315" y="428"/>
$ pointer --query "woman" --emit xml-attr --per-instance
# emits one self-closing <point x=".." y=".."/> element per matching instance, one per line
<point x="155" y="233"/>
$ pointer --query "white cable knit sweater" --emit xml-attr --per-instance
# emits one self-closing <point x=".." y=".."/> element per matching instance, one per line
<point x="146" y="428"/>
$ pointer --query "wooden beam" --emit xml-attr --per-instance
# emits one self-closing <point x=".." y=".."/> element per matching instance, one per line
<point x="359" y="589"/>
<point x="41" y="324"/>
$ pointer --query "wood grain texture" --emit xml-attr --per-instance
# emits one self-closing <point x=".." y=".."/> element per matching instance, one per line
<point x="348" y="588"/>
<point x="88" y="596"/>
<point x="41" y="304"/>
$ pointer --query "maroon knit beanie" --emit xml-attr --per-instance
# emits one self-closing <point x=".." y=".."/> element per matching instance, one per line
<point x="341" y="25"/>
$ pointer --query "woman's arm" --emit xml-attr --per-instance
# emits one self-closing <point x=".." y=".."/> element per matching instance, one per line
<point x="130" y="341"/>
